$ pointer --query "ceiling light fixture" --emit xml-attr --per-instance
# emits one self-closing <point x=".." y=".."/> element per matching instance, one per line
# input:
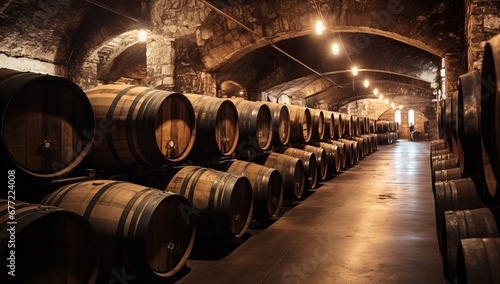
<point x="320" y="27"/>
<point x="335" y="48"/>
<point x="142" y="36"/>
<point x="366" y="83"/>
<point x="393" y="105"/>
<point x="355" y="71"/>
<point x="381" y="96"/>
<point x="375" y="92"/>
<point x="386" y="101"/>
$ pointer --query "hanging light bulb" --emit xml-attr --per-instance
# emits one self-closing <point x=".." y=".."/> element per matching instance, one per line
<point x="393" y="105"/>
<point x="335" y="48"/>
<point x="355" y="71"/>
<point x="386" y="101"/>
<point x="320" y="27"/>
<point x="366" y="83"/>
<point x="375" y="92"/>
<point x="400" y="107"/>
<point x="381" y="97"/>
<point x="143" y="36"/>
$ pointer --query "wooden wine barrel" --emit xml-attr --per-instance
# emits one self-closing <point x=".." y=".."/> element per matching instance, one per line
<point x="351" y="151"/>
<point x="318" y="118"/>
<point x="343" y="152"/>
<point x="374" y="141"/>
<point x="321" y="159"/>
<point x="224" y="201"/>
<point x="267" y="188"/>
<point x="382" y="126"/>
<point x="339" y="125"/>
<point x="301" y="124"/>
<point x="281" y="123"/>
<point x="438" y="145"/>
<point x="490" y="114"/>
<point x="329" y="125"/>
<point x="439" y="165"/>
<point x="384" y="138"/>
<point x="478" y="261"/>
<point x="140" y="126"/>
<point x="469" y="131"/>
<point x="50" y="244"/>
<point x="448" y="174"/>
<point x="217" y="127"/>
<point x="145" y="230"/>
<point x="454" y="195"/>
<point x="360" y="147"/>
<point x="47" y="124"/>
<point x="309" y="162"/>
<point x="476" y="223"/>
<point x="455" y="121"/>
<point x="356" y="126"/>
<point x="292" y="173"/>
<point x="348" y="125"/>
<point x="255" y="126"/>
<point x="333" y="156"/>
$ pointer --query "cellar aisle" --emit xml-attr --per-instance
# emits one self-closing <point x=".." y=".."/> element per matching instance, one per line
<point x="373" y="223"/>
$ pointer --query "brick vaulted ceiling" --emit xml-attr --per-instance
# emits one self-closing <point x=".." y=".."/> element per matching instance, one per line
<point x="396" y="44"/>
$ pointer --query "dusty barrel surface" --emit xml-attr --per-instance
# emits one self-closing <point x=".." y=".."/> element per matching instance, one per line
<point x="339" y="125"/>
<point x="217" y="128"/>
<point x="255" y="125"/>
<point x="333" y="156"/>
<point x="318" y="118"/>
<point x="347" y="120"/>
<point x="321" y="159"/>
<point x="224" y="200"/>
<point x="329" y="125"/>
<point x="281" y="123"/>
<point x="490" y="114"/>
<point x="301" y="124"/>
<point x="309" y="162"/>
<point x="343" y="149"/>
<point x="267" y="187"/>
<point x="50" y="244"/>
<point x="292" y="173"/>
<point x="47" y="124"/>
<point x="476" y="223"/>
<point x="478" y="261"/>
<point x="144" y="230"/>
<point x="469" y="130"/>
<point x="352" y="151"/>
<point x="460" y="194"/>
<point x="140" y="126"/>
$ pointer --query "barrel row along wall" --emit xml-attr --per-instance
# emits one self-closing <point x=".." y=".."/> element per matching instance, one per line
<point x="465" y="172"/>
<point x="146" y="161"/>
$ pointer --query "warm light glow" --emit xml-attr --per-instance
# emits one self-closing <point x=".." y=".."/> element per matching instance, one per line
<point x="335" y="48"/>
<point x="380" y="97"/>
<point x="386" y="101"/>
<point x="375" y="92"/>
<point x="400" y="107"/>
<point x="320" y="27"/>
<point x="393" y="105"/>
<point x="143" y="36"/>
<point x="366" y="83"/>
<point x="355" y="71"/>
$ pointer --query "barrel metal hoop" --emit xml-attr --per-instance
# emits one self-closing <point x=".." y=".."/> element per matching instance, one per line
<point x="135" y="128"/>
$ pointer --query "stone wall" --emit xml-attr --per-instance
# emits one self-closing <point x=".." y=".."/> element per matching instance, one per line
<point x="482" y="22"/>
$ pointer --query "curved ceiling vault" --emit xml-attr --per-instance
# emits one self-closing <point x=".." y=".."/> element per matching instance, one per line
<point x="397" y="45"/>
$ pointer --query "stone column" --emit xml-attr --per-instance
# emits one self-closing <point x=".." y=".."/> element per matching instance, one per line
<point x="160" y="57"/>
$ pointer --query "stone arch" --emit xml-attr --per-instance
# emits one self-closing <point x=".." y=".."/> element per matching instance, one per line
<point x="280" y="22"/>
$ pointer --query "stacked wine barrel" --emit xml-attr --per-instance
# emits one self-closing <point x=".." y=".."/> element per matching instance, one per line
<point x="465" y="167"/>
<point x="170" y="168"/>
<point x="387" y="131"/>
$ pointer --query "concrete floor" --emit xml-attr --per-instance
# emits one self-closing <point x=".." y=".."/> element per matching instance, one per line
<point x="373" y="223"/>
